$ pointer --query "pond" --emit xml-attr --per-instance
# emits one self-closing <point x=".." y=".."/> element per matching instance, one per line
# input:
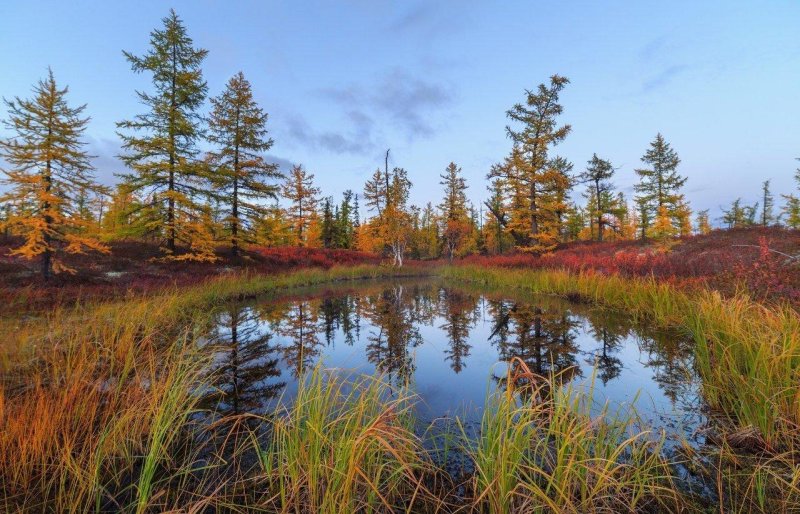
<point x="450" y="343"/>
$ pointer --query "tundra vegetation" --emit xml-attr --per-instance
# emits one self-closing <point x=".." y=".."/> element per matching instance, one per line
<point x="110" y="293"/>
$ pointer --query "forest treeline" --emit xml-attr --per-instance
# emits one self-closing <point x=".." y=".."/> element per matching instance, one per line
<point x="193" y="202"/>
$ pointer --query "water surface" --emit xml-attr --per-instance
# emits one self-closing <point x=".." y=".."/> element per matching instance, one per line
<point x="450" y="343"/>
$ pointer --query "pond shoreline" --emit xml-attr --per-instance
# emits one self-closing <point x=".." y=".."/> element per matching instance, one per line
<point x="139" y="415"/>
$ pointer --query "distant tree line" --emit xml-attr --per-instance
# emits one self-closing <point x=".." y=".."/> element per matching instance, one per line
<point x="194" y="202"/>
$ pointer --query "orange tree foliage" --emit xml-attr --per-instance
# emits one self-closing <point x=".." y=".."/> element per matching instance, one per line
<point x="534" y="183"/>
<point x="300" y="191"/>
<point x="49" y="175"/>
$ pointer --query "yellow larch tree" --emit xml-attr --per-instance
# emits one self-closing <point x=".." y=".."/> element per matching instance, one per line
<point x="303" y="197"/>
<point x="49" y="172"/>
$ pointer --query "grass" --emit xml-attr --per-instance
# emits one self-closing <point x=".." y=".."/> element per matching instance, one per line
<point x="747" y="354"/>
<point x="541" y="449"/>
<point x="98" y="412"/>
<point x="95" y="399"/>
<point x="344" y="446"/>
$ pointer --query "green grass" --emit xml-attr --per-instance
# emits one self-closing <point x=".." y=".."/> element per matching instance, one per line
<point x="747" y="354"/>
<point x="541" y="449"/>
<point x="344" y="444"/>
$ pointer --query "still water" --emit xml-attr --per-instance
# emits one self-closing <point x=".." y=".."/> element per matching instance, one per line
<point x="450" y="343"/>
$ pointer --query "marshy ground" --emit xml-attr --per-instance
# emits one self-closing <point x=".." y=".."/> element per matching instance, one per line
<point x="478" y="388"/>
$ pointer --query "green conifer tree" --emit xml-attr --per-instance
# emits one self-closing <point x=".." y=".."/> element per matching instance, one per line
<point x="161" y="144"/>
<point x="238" y="128"/>
<point x="597" y="174"/>
<point x="660" y="183"/>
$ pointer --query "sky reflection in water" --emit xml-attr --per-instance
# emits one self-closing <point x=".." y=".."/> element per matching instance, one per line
<point x="451" y="343"/>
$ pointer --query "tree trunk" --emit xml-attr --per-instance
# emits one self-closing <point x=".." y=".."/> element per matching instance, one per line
<point x="171" y="206"/>
<point x="599" y="211"/>
<point x="235" y="207"/>
<point x="171" y="201"/>
<point x="47" y="257"/>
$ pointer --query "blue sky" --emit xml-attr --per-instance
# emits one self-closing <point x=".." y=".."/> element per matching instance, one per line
<point x="343" y="81"/>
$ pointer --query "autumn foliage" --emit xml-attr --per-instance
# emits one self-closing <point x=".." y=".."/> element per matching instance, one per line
<point x="750" y="259"/>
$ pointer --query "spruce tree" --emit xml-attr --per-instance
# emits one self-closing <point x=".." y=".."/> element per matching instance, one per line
<point x="161" y="144"/>
<point x="49" y="174"/>
<point x="346" y="220"/>
<point x="328" y="230"/>
<point x="659" y="184"/>
<point x="454" y="204"/>
<point x="237" y="126"/>
<point x="454" y="209"/>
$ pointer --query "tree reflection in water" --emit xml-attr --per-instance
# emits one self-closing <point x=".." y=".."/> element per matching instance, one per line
<point x="402" y="328"/>
<point x="301" y="328"/>
<point x="246" y="365"/>
<point x="395" y="316"/>
<point x="460" y="312"/>
<point x="543" y="337"/>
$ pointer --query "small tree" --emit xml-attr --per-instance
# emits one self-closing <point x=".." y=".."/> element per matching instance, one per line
<point x="702" y="223"/>
<point x="660" y="183"/>
<point x="791" y="210"/>
<point x="454" y="209"/>
<point x="683" y="215"/>
<point x="662" y="229"/>
<point x="396" y="226"/>
<point x="300" y="191"/>
<point x="238" y="128"/>
<point x="739" y="215"/>
<point x="597" y="174"/>
<point x="767" y="204"/>
<point x="49" y="174"/>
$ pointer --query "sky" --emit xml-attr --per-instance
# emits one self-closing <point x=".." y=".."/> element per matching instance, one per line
<point x="343" y="81"/>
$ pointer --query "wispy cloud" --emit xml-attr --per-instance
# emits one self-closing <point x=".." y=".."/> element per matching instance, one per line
<point x="284" y="165"/>
<point x="357" y="141"/>
<point x="663" y="77"/>
<point x="406" y="100"/>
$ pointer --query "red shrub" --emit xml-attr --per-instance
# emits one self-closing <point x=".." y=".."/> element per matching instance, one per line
<point x="724" y="260"/>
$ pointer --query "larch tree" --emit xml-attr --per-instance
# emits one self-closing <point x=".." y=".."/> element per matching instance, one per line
<point x="598" y="174"/>
<point x="703" y="226"/>
<point x="375" y="192"/>
<point x="683" y="217"/>
<point x="535" y="182"/>
<point x="454" y="209"/>
<point x="160" y="145"/>
<point x="497" y="221"/>
<point x="739" y="214"/>
<point x="49" y="172"/>
<point x="767" y="204"/>
<point x="237" y="126"/>
<point x="299" y="189"/>
<point x="395" y="227"/>
<point x="659" y="184"/>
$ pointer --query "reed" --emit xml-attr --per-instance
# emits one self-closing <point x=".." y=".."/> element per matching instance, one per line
<point x="345" y="444"/>
<point x="747" y="354"/>
<point x="95" y="399"/>
<point x="542" y="449"/>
